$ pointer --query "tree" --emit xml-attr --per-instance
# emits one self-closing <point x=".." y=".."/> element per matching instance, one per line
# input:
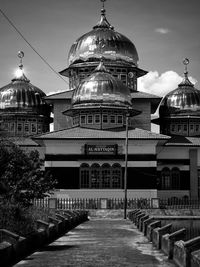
<point x="22" y="176"/>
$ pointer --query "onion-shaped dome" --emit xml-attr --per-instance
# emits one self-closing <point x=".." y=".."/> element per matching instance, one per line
<point x="104" y="41"/>
<point x="183" y="101"/>
<point x="20" y="95"/>
<point x="101" y="89"/>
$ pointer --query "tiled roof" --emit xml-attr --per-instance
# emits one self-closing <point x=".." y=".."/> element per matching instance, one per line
<point x="183" y="141"/>
<point x="61" y="96"/>
<point x="68" y="94"/>
<point x="85" y="133"/>
<point x="23" y="141"/>
<point x="139" y="94"/>
<point x="195" y="141"/>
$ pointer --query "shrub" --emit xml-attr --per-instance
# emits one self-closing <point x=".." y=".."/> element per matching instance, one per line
<point x="20" y="219"/>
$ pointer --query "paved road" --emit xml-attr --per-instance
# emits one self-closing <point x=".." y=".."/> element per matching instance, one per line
<point x="101" y="243"/>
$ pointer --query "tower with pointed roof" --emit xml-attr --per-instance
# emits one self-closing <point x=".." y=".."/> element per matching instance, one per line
<point x="179" y="111"/>
<point x="23" y="110"/>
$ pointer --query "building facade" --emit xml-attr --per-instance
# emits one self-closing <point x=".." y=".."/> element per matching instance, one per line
<point x="102" y="110"/>
<point x="86" y="152"/>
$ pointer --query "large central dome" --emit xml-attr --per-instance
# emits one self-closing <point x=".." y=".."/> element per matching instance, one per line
<point x="104" y="41"/>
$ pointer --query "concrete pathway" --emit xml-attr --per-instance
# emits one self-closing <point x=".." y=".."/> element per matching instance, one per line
<point x="99" y="242"/>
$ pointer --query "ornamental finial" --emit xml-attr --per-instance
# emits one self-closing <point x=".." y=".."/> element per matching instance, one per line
<point x="186" y="62"/>
<point x="186" y="81"/>
<point x="103" y="11"/>
<point x="101" y="67"/>
<point x="19" y="73"/>
<point x="103" y="3"/>
<point x="103" y="23"/>
<point x="20" y="55"/>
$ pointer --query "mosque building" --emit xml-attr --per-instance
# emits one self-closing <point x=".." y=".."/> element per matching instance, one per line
<point x="102" y="118"/>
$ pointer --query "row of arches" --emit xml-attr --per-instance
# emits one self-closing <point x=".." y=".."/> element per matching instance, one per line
<point x="105" y="176"/>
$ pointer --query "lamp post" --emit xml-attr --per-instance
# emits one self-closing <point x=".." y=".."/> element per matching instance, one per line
<point x="126" y="165"/>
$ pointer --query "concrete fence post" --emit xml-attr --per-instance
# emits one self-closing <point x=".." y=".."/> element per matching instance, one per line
<point x="150" y="228"/>
<point x="142" y="219"/>
<point x="146" y="223"/>
<point x="136" y="215"/>
<point x="138" y="218"/>
<point x="158" y="233"/>
<point x="183" y="250"/>
<point x="168" y="240"/>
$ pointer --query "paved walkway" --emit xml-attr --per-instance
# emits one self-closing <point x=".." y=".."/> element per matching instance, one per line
<point x="99" y="242"/>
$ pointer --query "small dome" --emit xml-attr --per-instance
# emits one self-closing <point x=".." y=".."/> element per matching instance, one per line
<point x="185" y="100"/>
<point x="101" y="89"/>
<point x="104" y="41"/>
<point x="21" y="95"/>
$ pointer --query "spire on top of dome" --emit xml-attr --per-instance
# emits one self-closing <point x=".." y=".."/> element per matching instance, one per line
<point x="101" y="67"/>
<point x="186" y="81"/>
<point x="103" y="23"/>
<point x="19" y="74"/>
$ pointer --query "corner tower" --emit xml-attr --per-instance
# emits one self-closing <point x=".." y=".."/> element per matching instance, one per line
<point x="179" y="110"/>
<point x="23" y="110"/>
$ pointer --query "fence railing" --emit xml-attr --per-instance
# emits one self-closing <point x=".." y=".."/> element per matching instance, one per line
<point x="112" y="203"/>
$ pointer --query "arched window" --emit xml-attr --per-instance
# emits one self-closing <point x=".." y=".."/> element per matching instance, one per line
<point x="165" y="179"/>
<point x="175" y="177"/>
<point x="84" y="175"/>
<point x="106" y="175"/>
<point x="95" y="176"/>
<point x="116" y="176"/>
<point x="100" y="177"/>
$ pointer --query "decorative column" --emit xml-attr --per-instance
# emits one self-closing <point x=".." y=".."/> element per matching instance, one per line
<point x="193" y="154"/>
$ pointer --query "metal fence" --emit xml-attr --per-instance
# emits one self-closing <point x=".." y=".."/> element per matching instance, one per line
<point x="113" y="203"/>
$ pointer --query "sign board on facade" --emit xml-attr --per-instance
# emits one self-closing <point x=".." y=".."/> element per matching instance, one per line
<point x="100" y="149"/>
<point x="155" y="203"/>
<point x="104" y="203"/>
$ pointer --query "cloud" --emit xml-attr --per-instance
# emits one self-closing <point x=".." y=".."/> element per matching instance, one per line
<point x="160" y="85"/>
<point x="162" y="30"/>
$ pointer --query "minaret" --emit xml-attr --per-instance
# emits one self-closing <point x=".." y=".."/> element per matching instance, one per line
<point x="23" y="110"/>
<point x="179" y="112"/>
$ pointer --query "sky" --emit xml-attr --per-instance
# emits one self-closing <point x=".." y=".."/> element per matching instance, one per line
<point x="164" y="33"/>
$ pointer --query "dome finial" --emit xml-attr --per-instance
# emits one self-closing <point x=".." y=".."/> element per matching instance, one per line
<point x="19" y="74"/>
<point x="20" y="55"/>
<point x="103" y="23"/>
<point x="101" y="67"/>
<point x="103" y="4"/>
<point x="103" y="11"/>
<point x="186" y="80"/>
<point x="186" y="62"/>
